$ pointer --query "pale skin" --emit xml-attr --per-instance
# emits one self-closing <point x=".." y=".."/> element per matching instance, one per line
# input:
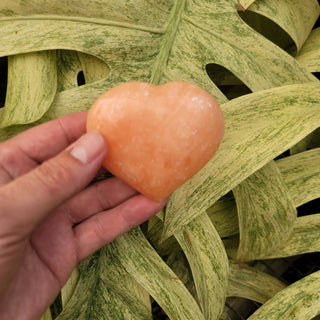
<point x="51" y="216"/>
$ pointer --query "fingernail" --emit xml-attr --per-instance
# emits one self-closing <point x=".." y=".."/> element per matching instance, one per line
<point x="88" y="147"/>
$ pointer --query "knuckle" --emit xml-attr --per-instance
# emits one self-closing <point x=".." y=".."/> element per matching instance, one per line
<point x="8" y="162"/>
<point x="103" y="198"/>
<point x="99" y="230"/>
<point x="6" y="155"/>
<point x="53" y="175"/>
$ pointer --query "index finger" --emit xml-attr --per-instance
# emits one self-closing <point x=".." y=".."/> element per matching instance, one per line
<point x="48" y="139"/>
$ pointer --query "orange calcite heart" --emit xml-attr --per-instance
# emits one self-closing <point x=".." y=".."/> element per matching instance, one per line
<point x="158" y="136"/>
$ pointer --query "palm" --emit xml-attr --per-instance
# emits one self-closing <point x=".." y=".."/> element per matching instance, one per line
<point x="53" y="250"/>
<point x="40" y="271"/>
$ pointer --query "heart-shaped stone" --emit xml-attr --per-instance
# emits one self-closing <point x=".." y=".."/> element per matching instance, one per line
<point x="158" y="136"/>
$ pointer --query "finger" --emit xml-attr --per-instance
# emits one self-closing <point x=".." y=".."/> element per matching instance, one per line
<point x="14" y="163"/>
<point x="26" y="200"/>
<point x="100" y="196"/>
<point x="48" y="139"/>
<point x="103" y="228"/>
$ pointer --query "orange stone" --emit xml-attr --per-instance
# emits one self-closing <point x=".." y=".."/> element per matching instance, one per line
<point x="158" y="136"/>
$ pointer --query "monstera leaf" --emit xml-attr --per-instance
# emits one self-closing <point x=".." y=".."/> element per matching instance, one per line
<point x="151" y="41"/>
<point x="265" y="51"/>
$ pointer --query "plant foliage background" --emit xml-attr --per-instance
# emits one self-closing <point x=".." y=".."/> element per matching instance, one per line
<point x="259" y="59"/>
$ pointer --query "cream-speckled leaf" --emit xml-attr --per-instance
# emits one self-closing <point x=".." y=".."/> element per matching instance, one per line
<point x="243" y="281"/>
<point x="247" y="282"/>
<point x="312" y="141"/>
<point x="178" y="262"/>
<point x="244" y="4"/>
<point x="293" y="16"/>
<point x="68" y="289"/>
<point x="163" y="248"/>
<point x="202" y="36"/>
<point x="299" y="301"/>
<point x="71" y="63"/>
<point x="106" y="291"/>
<point x="259" y="127"/>
<point x="143" y="263"/>
<point x="47" y="315"/>
<point x="68" y="68"/>
<point x="223" y="215"/>
<point x="209" y="264"/>
<point x="309" y="55"/>
<point x="301" y="174"/>
<point x="225" y="315"/>
<point x="32" y="85"/>
<point x="309" y="142"/>
<point x="147" y="40"/>
<point x="303" y="239"/>
<point x="93" y="68"/>
<point x="266" y="213"/>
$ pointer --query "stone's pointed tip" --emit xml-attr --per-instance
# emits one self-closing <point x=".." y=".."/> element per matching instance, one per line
<point x="241" y="8"/>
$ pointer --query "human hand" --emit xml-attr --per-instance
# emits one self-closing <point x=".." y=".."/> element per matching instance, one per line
<point x="51" y="217"/>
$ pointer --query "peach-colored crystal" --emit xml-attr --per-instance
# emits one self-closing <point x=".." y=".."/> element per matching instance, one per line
<point x="158" y="136"/>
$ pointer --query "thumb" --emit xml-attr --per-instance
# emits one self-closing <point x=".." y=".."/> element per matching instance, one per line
<point x="24" y="202"/>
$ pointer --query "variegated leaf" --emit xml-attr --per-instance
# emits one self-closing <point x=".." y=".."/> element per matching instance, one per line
<point x="300" y="301"/>
<point x="259" y="127"/>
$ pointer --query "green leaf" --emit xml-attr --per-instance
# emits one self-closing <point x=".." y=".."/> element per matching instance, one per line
<point x="293" y="16"/>
<point x="143" y="263"/>
<point x="209" y="264"/>
<point x="106" y="291"/>
<point x="163" y="247"/>
<point x="68" y="67"/>
<point x="178" y="47"/>
<point x="266" y="213"/>
<point x="244" y="4"/>
<point x="309" y="55"/>
<point x="259" y="127"/>
<point x="301" y="175"/>
<point x="300" y="301"/>
<point x="32" y="85"/>
<point x="243" y="281"/>
<point x="247" y="282"/>
<point x="304" y="238"/>
<point x="184" y="39"/>
<point x="47" y="315"/>
<point x="93" y="68"/>
<point x="223" y="215"/>
<point x="309" y="142"/>
<point x="68" y="289"/>
<point x="178" y="262"/>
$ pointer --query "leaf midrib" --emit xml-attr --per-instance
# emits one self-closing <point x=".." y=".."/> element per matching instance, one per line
<point x="97" y="21"/>
<point x="167" y="41"/>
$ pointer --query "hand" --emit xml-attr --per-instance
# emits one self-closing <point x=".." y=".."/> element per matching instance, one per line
<point x="51" y="218"/>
